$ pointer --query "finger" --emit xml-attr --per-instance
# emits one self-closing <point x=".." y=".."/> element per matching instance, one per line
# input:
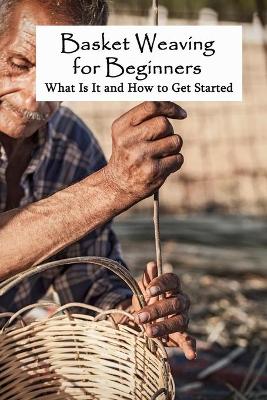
<point x="169" y="146"/>
<point x="160" y="309"/>
<point x="155" y="128"/>
<point x="178" y="323"/>
<point x="186" y="343"/>
<point x="171" y="164"/>
<point x="148" y="110"/>
<point x="164" y="283"/>
<point x="150" y="273"/>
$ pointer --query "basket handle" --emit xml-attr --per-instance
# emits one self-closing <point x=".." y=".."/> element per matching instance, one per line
<point x="112" y="265"/>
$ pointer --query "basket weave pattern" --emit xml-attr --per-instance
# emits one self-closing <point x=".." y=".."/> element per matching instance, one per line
<point x="70" y="355"/>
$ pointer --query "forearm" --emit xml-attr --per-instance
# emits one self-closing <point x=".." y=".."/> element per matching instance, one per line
<point x="31" y="234"/>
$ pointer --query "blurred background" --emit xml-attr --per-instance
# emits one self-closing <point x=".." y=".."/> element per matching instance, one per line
<point x="213" y="213"/>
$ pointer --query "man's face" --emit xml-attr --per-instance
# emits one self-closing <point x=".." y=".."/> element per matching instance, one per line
<point x="20" y="114"/>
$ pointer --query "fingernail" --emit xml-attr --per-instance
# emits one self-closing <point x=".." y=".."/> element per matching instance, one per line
<point x="153" y="291"/>
<point x="142" y="317"/>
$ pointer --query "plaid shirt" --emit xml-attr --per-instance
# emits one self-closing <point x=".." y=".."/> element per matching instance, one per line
<point x="66" y="152"/>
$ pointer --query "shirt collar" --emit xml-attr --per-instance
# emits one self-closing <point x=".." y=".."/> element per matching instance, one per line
<point x="42" y="148"/>
<point x="3" y="156"/>
<point x="3" y="163"/>
<point x="40" y="151"/>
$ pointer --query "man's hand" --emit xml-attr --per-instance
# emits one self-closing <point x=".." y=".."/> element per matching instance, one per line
<point x="174" y="307"/>
<point x="145" y="149"/>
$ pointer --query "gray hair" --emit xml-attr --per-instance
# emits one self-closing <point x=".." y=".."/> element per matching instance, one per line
<point x="82" y="12"/>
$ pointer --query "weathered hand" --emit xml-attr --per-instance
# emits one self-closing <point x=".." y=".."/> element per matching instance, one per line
<point x="145" y="150"/>
<point x="174" y="307"/>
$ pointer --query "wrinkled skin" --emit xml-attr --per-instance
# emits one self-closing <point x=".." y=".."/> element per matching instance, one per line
<point x="20" y="114"/>
<point x="145" y="152"/>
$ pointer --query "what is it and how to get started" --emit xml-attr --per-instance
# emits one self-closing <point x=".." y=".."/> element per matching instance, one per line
<point x="134" y="87"/>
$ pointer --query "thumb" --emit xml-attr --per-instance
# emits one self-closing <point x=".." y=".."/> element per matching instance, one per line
<point x="149" y="274"/>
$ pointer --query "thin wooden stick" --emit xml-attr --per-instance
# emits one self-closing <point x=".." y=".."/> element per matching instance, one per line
<point x="156" y="195"/>
<point x="156" y="12"/>
<point x="221" y="363"/>
<point x="157" y="234"/>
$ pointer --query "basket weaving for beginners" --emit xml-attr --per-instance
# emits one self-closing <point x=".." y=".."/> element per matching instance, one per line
<point x="72" y="356"/>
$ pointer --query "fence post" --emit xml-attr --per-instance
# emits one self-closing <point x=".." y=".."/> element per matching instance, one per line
<point x="207" y="16"/>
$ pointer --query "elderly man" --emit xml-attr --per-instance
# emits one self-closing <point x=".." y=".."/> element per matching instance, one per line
<point x="45" y="148"/>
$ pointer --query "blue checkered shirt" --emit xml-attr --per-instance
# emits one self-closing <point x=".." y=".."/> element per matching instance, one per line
<point x="66" y="152"/>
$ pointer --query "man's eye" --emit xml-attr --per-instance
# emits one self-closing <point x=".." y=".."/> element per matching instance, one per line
<point x="19" y="65"/>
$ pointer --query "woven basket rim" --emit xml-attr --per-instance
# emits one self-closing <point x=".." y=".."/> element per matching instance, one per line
<point x="153" y="346"/>
<point x="103" y="325"/>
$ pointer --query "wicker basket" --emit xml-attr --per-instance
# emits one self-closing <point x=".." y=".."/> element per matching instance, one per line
<point x="73" y="356"/>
